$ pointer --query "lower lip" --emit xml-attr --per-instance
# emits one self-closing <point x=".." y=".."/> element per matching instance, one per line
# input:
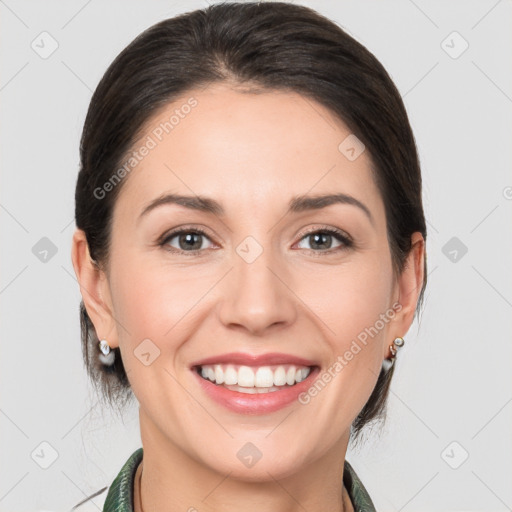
<point x="261" y="403"/>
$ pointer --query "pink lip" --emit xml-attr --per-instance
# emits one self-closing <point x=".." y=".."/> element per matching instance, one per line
<point x="263" y="403"/>
<point x="254" y="360"/>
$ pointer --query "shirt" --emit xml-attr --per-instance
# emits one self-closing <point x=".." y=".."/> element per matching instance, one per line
<point x="120" y="493"/>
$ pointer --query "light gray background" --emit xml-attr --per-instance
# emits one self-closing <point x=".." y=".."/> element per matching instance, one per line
<point x="453" y="377"/>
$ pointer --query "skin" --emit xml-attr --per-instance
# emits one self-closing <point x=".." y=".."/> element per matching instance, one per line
<point x="251" y="153"/>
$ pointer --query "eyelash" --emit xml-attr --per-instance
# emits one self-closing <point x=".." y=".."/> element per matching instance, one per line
<point x="339" y="235"/>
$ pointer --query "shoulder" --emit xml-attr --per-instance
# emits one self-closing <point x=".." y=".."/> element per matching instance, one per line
<point x="358" y="494"/>
<point x="119" y="495"/>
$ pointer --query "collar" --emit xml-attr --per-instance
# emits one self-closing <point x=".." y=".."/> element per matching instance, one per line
<point x="120" y="493"/>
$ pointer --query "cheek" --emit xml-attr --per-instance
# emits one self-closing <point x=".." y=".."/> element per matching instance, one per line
<point x="151" y="301"/>
<point x="356" y="312"/>
<point x="350" y="298"/>
<point x="154" y="308"/>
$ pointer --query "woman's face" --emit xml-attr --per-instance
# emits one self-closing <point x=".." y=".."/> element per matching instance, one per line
<point x="263" y="279"/>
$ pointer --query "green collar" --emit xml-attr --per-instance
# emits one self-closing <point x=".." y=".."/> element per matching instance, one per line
<point x="120" y="493"/>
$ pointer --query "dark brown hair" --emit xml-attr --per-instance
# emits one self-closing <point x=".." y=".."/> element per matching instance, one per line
<point x="270" y="46"/>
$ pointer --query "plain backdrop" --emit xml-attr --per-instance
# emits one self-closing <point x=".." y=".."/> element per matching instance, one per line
<point x="447" y="443"/>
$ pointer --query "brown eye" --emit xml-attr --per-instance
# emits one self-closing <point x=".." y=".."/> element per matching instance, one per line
<point x="185" y="240"/>
<point x="323" y="240"/>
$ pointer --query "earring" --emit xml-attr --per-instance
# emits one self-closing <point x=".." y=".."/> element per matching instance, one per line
<point x="397" y="343"/>
<point x="107" y="355"/>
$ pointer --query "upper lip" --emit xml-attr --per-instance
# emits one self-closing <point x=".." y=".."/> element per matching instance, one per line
<point x="240" y="358"/>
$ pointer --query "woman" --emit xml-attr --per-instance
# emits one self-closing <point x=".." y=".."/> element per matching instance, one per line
<point x="250" y="249"/>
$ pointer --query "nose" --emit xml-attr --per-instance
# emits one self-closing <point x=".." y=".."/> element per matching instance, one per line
<point x="256" y="297"/>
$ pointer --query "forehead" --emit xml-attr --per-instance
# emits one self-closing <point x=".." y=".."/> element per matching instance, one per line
<point x="247" y="149"/>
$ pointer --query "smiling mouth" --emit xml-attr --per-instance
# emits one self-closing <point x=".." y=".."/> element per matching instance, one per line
<point x="254" y="380"/>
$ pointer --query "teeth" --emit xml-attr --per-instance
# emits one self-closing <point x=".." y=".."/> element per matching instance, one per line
<point x="245" y="377"/>
<point x="279" y="377"/>
<point x="290" y="376"/>
<point x="300" y="375"/>
<point x="263" y="379"/>
<point x="252" y="391"/>
<point x="219" y="374"/>
<point x="230" y="376"/>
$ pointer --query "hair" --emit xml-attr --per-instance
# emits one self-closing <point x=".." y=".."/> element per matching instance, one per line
<point x="272" y="46"/>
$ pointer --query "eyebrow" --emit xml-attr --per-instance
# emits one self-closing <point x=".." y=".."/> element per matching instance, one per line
<point x="296" y="205"/>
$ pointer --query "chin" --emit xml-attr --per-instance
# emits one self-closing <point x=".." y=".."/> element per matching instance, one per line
<point x="253" y="465"/>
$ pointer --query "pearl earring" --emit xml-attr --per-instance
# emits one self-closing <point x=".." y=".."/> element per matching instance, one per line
<point x="107" y="356"/>
<point x="397" y="343"/>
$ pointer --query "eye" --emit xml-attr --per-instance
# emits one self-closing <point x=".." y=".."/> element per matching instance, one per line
<point x="185" y="240"/>
<point x="193" y="240"/>
<point x="322" y="240"/>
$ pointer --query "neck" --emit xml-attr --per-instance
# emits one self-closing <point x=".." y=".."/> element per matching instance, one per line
<point x="171" y="480"/>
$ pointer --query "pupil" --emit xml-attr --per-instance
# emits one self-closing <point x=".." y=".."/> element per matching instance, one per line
<point x="188" y="241"/>
<point x="321" y="236"/>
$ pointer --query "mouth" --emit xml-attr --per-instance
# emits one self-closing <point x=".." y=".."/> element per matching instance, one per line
<point x="254" y="380"/>
<point x="255" y="384"/>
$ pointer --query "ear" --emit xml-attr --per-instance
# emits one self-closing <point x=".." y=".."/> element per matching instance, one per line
<point x="409" y="286"/>
<point x="94" y="289"/>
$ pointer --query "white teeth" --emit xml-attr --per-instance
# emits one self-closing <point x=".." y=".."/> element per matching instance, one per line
<point x="219" y="374"/>
<point x="290" y="376"/>
<point x="252" y="391"/>
<point x="301" y="374"/>
<point x="245" y="377"/>
<point x="279" y="377"/>
<point x="241" y="389"/>
<point x="230" y="376"/>
<point x="263" y="379"/>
